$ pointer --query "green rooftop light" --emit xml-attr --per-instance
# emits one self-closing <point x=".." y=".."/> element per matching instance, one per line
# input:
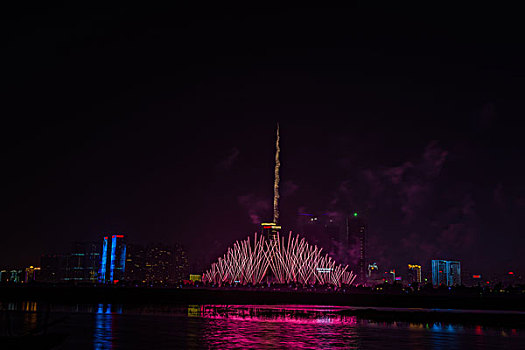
<point x="355" y="213"/>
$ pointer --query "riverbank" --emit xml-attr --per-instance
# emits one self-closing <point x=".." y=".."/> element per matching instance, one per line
<point x="185" y="296"/>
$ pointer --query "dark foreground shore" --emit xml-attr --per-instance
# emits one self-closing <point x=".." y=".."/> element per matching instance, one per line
<point x="499" y="311"/>
<point x="185" y="296"/>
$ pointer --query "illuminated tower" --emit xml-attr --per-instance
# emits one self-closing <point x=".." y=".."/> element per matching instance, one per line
<point x="356" y="233"/>
<point x="270" y="229"/>
<point x="414" y="273"/>
<point x="113" y="261"/>
<point x="446" y="272"/>
<point x="276" y="181"/>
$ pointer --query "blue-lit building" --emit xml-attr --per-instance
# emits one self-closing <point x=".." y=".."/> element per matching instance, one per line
<point x="113" y="259"/>
<point x="446" y="273"/>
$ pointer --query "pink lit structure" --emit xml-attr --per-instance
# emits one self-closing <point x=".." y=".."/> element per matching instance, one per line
<point x="292" y="260"/>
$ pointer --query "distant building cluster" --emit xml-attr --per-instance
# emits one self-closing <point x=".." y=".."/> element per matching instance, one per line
<point x="110" y="261"/>
<point x="345" y="233"/>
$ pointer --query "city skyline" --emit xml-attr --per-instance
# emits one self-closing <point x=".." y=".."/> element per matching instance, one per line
<point x="189" y="177"/>
<point x="233" y="267"/>
<point x="421" y="130"/>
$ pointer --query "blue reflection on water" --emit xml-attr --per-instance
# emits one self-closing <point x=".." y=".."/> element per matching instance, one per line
<point x="103" y="334"/>
<point x="444" y="336"/>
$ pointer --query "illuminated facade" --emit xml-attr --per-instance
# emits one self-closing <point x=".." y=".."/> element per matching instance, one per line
<point x="414" y="273"/>
<point x="446" y="273"/>
<point x="31" y="274"/>
<point x="156" y="264"/>
<point x="374" y="276"/>
<point x="270" y="230"/>
<point x="15" y="276"/>
<point x="372" y="269"/>
<point x="291" y="261"/>
<point x="196" y="278"/>
<point x="12" y="276"/>
<point x="4" y="277"/>
<point x="113" y="259"/>
<point x="83" y="264"/>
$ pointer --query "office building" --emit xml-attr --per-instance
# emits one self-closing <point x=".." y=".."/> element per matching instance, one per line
<point x="446" y="272"/>
<point x="414" y="273"/>
<point x="156" y="264"/>
<point x="53" y="268"/>
<point x="113" y="259"/>
<point x="83" y="263"/>
<point x="31" y="274"/>
<point x="15" y="276"/>
<point x="356" y="233"/>
<point x="4" y="276"/>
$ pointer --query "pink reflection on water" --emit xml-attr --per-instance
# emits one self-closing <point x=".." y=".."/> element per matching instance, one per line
<point x="297" y="327"/>
<point x="278" y="313"/>
<point x="325" y="327"/>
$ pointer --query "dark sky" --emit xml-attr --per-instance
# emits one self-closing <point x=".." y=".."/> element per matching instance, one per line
<point x="160" y="124"/>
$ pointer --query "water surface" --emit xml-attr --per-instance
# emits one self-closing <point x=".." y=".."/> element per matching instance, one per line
<point x="112" y="326"/>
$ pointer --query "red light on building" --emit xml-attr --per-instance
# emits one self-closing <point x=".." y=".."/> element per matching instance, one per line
<point x="119" y="236"/>
<point x="511" y="273"/>
<point x="267" y="226"/>
<point x="476" y="276"/>
<point x="441" y="271"/>
<point x="488" y="282"/>
<point x="115" y="281"/>
<point x="105" y="238"/>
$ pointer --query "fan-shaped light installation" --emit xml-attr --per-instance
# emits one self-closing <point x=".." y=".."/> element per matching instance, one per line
<point x="289" y="261"/>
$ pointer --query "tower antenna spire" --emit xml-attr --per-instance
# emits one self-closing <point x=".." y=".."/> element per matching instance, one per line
<point x="276" y="181"/>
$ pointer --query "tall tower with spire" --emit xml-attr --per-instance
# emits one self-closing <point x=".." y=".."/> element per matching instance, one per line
<point x="276" y="181"/>
<point x="271" y="228"/>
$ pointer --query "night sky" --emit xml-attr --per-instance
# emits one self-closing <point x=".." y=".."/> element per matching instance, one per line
<point x="160" y="124"/>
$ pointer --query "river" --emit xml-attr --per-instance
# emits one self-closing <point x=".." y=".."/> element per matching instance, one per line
<point x="112" y="326"/>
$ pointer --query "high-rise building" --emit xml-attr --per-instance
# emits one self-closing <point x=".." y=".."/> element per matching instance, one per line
<point x="53" y="267"/>
<point x="333" y="228"/>
<point x="83" y="264"/>
<point x="356" y="233"/>
<point x="372" y="269"/>
<point x="414" y="273"/>
<point x="113" y="259"/>
<point x="373" y="275"/>
<point x="156" y="264"/>
<point x="31" y="274"/>
<point x="181" y="266"/>
<point x="446" y="272"/>
<point x="4" y="276"/>
<point x="15" y="276"/>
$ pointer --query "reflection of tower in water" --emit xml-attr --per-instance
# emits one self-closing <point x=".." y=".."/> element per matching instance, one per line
<point x="104" y="323"/>
<point x="30" y="315"/>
